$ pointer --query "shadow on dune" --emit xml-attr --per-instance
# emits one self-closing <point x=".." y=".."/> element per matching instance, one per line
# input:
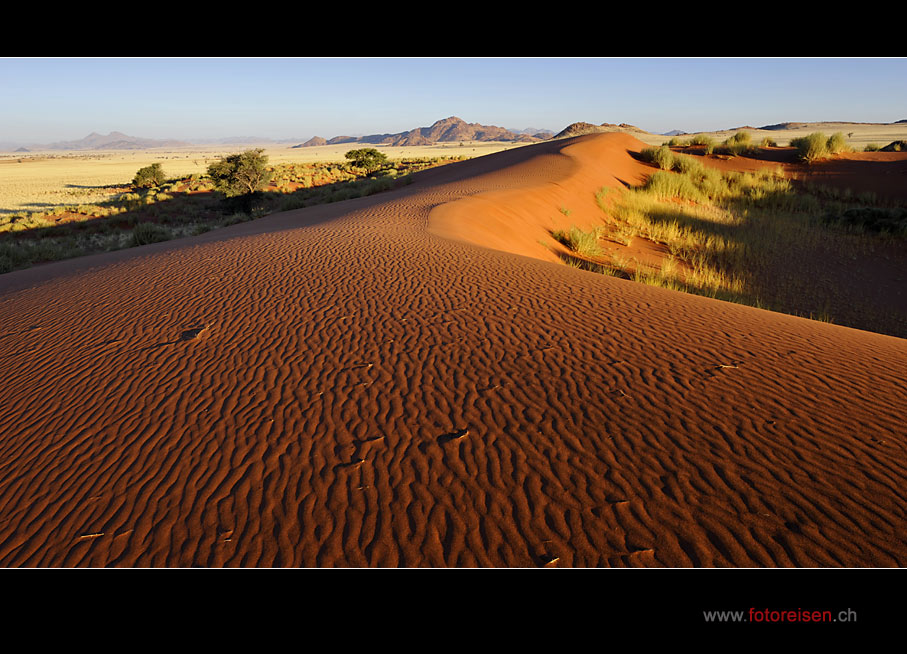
<point x="802" y="267"/>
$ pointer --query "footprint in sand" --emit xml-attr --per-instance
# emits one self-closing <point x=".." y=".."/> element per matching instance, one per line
<point x="455" y="436"/>
<point x="192" y="334"/>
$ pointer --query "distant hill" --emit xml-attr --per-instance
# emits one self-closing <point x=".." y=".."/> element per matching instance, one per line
<point x="542" y="134"/>
<point x="312" y="142"/>
<point x="675" y="132"/>
<point x="781" y="126"/>
<point x="114" y="141"/>
<point x="578" y="129"/>
<point x="446" y="130"/>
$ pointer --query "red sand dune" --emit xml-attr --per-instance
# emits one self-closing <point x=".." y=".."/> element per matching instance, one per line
<point x="347" y="385"/>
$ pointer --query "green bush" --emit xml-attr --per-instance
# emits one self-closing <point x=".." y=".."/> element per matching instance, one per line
<point x="368" y="158"/>
<point x="585" y="243"/>
<point x="836" y="143"/>
<point x="149" y="177"/>
<point x="811" y="147"/>
<point x="737" y="144"/>
<point x="145" y="233"/>
<point x="872" y="147"/>
<point x="240" y="174"/>
<point x="686" y="165"/>
<point x="661" y="157"/>
<point x="704" y="140"/>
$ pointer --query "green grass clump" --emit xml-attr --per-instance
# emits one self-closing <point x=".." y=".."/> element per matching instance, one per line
<point x="575" y="239"/>
<point x="661" y="157"/>
<point x="665" y="159"/>
<point x="737" y="144"/>
<point x="817" y="146"/>
<point x="872" y="147"/>
<point x="811" y="147"/>
<point x="837" y="143"/>
<point x="705" y="141"/>
<point x="145" y="233"/>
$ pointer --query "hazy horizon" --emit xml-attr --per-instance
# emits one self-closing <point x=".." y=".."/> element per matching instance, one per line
<point x="287" y="99"/>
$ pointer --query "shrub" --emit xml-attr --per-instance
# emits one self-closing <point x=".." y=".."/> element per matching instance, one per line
<point x="836" y="143"/>
<point x="585" y="243"/>
<point x="737" y="144"/>
<point x="240" y="174"/>
<point x="811" y="147"/>
<point x="145" y="233"/>
<point x="872" y="147"/>
<point x="686" y="165"/>
<point x="368" y="158"/>
<point x="661" y="157"/>
<point x="149" y="177"/>
<point x="707" y="141"/>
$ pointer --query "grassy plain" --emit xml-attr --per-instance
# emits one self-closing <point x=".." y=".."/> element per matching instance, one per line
<point x="118" y="216"/>
<point x="858" y="135"/>
<point x="40" y="181"/>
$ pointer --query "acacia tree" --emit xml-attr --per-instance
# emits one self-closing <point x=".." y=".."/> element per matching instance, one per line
<point x="240" y="174"/>
<point x="368" y="158"/>
<point x="149" y="177"/>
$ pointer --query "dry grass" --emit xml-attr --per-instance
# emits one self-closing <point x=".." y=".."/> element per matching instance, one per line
<point x="858" y="135"/>
<point x="42" y="180"/>
<point x="126" y="217"/>
<point x="749" y="238"/>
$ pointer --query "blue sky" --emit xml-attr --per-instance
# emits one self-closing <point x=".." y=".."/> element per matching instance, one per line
<point x="47" y="100"/>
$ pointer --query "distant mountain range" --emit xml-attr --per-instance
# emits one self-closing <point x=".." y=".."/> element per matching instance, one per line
<point x="442" y="131"/>
<point x="447" y="130"/>
<point x="114" y="141"/>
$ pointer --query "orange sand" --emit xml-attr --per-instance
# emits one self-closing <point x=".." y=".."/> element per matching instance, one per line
<point x="363" y="384"/>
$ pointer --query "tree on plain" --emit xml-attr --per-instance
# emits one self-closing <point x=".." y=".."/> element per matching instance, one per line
<point x="149" y="177"/>
<point x="368" y="158"/>
<point x="241" y="174"/>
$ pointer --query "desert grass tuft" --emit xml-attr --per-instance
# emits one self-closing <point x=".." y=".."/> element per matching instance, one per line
<point x="575" y="239"/>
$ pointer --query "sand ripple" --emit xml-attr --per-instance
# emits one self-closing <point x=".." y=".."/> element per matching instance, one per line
<point x="343" y="386"/>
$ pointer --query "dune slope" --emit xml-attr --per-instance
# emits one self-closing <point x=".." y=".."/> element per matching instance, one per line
<point x="345" y="386"/>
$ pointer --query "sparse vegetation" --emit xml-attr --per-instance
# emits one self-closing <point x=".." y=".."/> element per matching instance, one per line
<point x="183" y="207"/>
<point x="737" y="144"/>
<point x="817" y="146"/>
<point x="736" y="236"/>
<point x="665" y="159"/>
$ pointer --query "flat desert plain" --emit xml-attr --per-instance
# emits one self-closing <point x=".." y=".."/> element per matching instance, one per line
<point x="388" y="381"/>
<point x="36" y="181"/>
